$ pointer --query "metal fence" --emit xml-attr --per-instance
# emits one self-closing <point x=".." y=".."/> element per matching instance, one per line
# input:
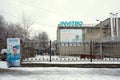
<point x="106" y="49"/>
<point x="73" y="48"/>
<point x="92" y="51"/>
<point x="39" y="58"/>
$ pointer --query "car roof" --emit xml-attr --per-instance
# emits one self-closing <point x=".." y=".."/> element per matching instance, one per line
<point x="3" y="50"/>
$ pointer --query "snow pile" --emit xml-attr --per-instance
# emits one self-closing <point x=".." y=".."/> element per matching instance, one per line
<point x="55" y="73"/>
<point x="3" y="64"/>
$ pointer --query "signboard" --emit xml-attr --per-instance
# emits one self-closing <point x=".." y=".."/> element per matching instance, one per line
<point x="71" y="35"/>
<point x="13" y="54"/>
<point x="71" y="23"/>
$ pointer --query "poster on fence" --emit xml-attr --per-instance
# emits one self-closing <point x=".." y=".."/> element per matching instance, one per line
<point x="13" y="54"/>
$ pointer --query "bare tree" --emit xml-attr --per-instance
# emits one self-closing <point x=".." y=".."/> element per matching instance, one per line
<point x="41" y="39"/>
<point x="16" y="30"/>
<point x="44" y="40"/>
<point x="2" y="32"/>
<point x="25" y="23"/>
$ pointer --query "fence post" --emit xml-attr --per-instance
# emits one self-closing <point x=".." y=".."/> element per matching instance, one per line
<point x="91" y="50"/>
<point x="50" y="50"/>
<point x="101" y="52"/>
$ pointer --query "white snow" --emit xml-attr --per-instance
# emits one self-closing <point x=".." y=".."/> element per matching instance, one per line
<point x="55" y="73"/>
<point x="3" y="64"/>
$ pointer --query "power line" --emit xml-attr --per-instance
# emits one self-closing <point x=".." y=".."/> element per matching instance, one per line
<point x="41" y="9"/>
<point x="48" y="11"/>
<point x="9" y="14"/>
<point x="18" y="18"/>
<point x="6" y="12"/>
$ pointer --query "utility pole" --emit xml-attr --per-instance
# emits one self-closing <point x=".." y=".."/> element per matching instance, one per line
<point x="50" y="50"/>
<point x="101" y="52"/>
<point x="91" y="50"/>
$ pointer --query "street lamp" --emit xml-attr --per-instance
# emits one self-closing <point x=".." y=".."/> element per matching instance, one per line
<point x="101" y="26"/>
<point x="98" y="20"/>
<point x="101" y="52"/>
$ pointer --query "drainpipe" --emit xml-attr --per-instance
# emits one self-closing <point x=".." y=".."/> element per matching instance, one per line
<point x="117" y="24"/>
<point x="114" y="25"/>
<point x="111" y="24"/>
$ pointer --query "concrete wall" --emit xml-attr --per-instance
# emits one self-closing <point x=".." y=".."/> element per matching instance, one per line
<point x="93" y="34"/>
<point x="108" y="49"/>
<point x="111" y="49"/>
<point x="74" y="50"/>
<point x="119" y="27"/>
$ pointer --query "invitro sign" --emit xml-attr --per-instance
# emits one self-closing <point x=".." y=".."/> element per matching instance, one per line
<point x="71" y="23"/>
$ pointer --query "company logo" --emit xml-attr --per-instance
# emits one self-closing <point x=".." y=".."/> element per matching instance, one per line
<point x="71" y="23"/>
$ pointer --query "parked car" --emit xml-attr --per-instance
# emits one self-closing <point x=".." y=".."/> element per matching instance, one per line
<point x="3" y="54"/>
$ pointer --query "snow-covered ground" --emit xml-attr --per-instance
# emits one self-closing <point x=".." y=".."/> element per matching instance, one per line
<point x="55" y="73"/>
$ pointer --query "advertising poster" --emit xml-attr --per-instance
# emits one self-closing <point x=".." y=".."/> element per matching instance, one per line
<point x="71" y="35"/>
<point x="13" y="54"/>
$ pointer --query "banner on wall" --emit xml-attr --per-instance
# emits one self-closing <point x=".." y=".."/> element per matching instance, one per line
<point x="71" y="35"/>
<point x="13" y="54"/>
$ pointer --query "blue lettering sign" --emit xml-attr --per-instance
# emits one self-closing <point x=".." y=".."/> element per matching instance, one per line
<point x="71" y="23"/>
<point x="13" y="40"/>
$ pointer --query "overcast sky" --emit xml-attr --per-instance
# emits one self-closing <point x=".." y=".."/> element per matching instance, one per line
<point x="47" y="14"/>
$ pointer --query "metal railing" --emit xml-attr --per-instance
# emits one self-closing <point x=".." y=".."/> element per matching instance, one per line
<point x="93" y="51"/>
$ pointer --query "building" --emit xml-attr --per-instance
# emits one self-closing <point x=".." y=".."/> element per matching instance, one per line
<point x="68" y="46"/>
